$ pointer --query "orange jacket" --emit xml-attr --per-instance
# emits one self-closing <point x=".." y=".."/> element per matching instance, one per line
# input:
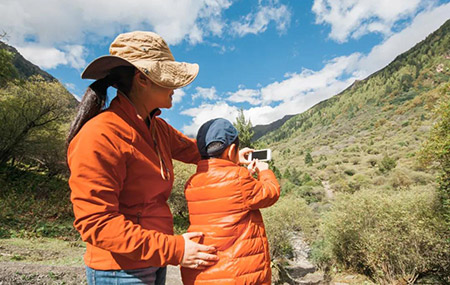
<point x="223" y="200"/>
<point x="118" y="193"/>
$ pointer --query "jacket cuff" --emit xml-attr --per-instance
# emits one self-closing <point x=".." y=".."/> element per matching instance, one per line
<point x="266" y="175"/>
<point x="178" y="251"/>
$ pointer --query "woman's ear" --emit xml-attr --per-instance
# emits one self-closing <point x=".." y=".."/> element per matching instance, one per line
<point x="140" y="78"/>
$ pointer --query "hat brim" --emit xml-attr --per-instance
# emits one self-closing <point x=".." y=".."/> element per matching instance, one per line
<point x="168" y="74"/>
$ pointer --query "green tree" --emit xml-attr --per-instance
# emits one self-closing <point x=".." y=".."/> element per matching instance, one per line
<point x="34" y="117"/>
<point x="308" y="159"/>
<point x="287" y="174"/>
<point x="296" y="177"/>
<point x="7" y="69"/>
<point x="245" y="130"/>
<point x="436" y="151"/>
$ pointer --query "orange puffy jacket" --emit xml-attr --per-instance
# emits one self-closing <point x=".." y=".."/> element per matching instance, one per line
<point x="223" y="200"/>
<point x="119" y="195"/>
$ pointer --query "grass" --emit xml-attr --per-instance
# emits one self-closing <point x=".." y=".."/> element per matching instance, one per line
<point x="33" y="204"/>
<point x="45" y="251"/>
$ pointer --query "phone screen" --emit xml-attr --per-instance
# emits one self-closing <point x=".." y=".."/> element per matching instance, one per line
<point x="259" y="154"/>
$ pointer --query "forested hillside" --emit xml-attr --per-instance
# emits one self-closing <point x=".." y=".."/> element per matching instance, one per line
<point x="35" y="111"/>
<point x="364" y="174"/>
<point x="357" y="160"/>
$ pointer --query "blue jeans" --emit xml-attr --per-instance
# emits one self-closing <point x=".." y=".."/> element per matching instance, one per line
<point x="147" y="276"/>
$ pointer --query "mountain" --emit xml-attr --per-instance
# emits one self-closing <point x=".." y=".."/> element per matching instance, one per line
<point x="25" y="68"/>
<point x="385" y="116"/>
<point x="260" y="130"/>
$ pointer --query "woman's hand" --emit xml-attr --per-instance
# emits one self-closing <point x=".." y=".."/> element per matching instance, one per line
<point x="243" y="155"/>
<point x="196" y="255"/>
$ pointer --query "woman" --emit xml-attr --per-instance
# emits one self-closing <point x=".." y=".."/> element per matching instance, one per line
<point x="121" y="167"/>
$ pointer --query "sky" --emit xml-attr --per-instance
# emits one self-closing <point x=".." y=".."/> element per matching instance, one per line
<point x="269" y="58"/>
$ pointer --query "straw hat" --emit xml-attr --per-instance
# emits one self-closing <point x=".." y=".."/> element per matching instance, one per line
<point x="149" y="53"/>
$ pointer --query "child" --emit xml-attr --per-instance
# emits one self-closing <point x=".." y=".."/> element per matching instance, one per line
<point x="224" y="201"/>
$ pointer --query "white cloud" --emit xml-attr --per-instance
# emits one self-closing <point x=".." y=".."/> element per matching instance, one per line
<point x="49" y="57"/>
<point x="309" y="81"/>
<point x="354" y="18"/>
<point x="205" y="93"/>
<point x="207" y="112"/>
<point x="251" y="96"/>
<point x="301" y="91"/>
<point x="255" y="23"/>
<point x="422" y="25"/>
<point x="178" y="96"/>
<point x="51" y="26"/>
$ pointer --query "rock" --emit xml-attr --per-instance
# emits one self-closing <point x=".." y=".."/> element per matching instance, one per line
<point x="299" y="270"/>
<point x="316" y="278"/>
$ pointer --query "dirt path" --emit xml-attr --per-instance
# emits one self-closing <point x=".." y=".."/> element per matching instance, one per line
<point x="328" y="191"/>
<point x="29" y="273"/>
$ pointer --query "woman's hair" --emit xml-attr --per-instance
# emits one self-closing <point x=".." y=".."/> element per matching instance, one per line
<point x="94" y="99"/>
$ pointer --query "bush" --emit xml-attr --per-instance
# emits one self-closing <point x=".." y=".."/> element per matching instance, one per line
<point x="400" y="179"/>
<point x="177" y="201"/>
<point x="289" y="214"/>
<point x="388" y="235"/>
<point x="350" y="172"/>
<point x="387" y="164"/>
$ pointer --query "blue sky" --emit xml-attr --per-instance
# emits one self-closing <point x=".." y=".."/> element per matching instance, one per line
<point x="270" y="58"/>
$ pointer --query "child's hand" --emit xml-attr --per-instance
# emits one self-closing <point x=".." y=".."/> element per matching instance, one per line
<point x="257" y="166"/>
<point x="243" y="155"/>
<point x="252" y="167"/>
<point x="260" y="166"/>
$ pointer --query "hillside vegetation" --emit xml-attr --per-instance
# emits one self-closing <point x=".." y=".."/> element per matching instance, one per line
<point x="35" y="111"/>
<point x="356" y="160"/>
<point x="365" y="174"/>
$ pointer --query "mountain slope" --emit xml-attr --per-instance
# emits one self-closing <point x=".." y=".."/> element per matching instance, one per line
<point x="386" y="115"/>
<point x="25" y="68"/>
<point x="260" y="130"/>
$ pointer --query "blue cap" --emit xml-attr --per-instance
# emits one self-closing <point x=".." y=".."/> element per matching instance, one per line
<point x="216" y="130"/>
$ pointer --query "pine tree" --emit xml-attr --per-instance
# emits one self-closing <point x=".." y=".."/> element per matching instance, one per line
<point x="245" y="130"/>
<point x="308" y="159"/>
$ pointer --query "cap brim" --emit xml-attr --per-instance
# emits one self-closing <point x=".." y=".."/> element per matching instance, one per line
<point x="100" y="67"/>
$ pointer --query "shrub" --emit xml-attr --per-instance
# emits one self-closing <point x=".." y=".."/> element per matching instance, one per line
<point x="308" y="159"/>
<point x="387" y="164"/>
<point x="372" y="161"/>
<point x="350" y="172"/>
<point x="177" y="201"/>
<point x="289" y="214"/>
<point x="358" y="182"/>
<point x="310" y="193"/>
<point x="400" y="179"/>
<point x="391" y="236"/>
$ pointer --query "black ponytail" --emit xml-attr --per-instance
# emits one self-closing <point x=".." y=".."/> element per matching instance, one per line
<point x="95" y="97"/>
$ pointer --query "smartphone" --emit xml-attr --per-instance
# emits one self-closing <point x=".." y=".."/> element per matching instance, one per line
<point x="261" y="155"/>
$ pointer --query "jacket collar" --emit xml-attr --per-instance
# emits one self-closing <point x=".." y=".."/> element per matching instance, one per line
<point x="123" y="102"/>
<point x="204" y="164"/>
<point x="122" y="106"/>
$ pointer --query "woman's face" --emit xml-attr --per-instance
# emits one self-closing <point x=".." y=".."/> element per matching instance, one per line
<point x="159" y="97"/>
